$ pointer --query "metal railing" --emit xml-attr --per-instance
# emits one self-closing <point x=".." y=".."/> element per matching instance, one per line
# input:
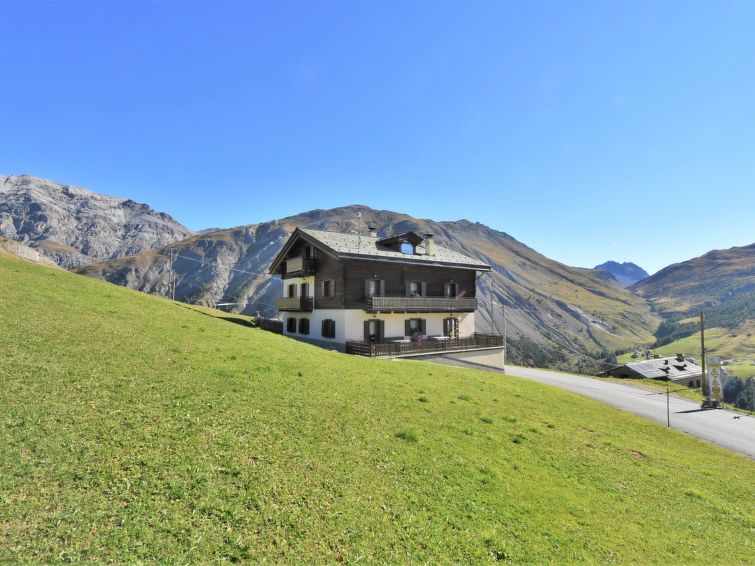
<point x="421" y="304"/>
<point x="426" y="346"/>
<point x="294" y="304"/>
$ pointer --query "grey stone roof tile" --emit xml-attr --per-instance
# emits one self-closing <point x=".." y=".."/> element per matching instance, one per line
<point x="354" y="245"/>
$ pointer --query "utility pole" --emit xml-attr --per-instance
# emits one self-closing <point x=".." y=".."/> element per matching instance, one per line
<point x="170" y="273"/>
<point x="172" y="278"/>
<point x="492" y="316"/>
<point x="503" y="314"/>
<point x="703" y="381"/>
<point x="668" y="410"/>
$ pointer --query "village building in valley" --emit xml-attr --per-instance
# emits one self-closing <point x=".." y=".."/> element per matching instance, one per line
<point x="397" y="296"/>
<point x="678" y="369"/>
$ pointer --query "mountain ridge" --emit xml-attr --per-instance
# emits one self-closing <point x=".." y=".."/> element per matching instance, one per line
<point x="626" y="273"/>
<point x="74" y="226"/>
<point x="706" y="279"/>
<point x="557" y="306"/>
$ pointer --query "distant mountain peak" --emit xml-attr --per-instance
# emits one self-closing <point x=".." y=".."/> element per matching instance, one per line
<point x="74" y="226"/>
<point x="626" y="273"/>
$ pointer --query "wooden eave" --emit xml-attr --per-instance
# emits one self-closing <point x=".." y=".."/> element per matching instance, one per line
<point x="295" y="236"/>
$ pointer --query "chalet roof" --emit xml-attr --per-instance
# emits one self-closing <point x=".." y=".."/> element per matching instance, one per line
<point x="664" y="368"/>
<point x="370" y="248"/>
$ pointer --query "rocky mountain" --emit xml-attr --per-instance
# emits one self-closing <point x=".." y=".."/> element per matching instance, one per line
<point x="716" y="276"/>
<point x="74" y="226"/>
<point x="559" y="308"/>
<point x="625" y="273"/>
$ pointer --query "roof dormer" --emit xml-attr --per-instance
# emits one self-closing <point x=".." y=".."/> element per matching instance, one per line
<point x="406" y="243"/>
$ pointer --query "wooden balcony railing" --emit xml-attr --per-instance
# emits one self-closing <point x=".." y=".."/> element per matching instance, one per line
<point x="391" y="349"/>
<point x="294" y="304"/>
<point x="301" y="265"/>
<point x="421" y="304"/>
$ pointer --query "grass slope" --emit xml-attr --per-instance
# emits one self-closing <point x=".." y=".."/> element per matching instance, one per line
<point x="736" y="344"/>
<point x="136" y="429"/>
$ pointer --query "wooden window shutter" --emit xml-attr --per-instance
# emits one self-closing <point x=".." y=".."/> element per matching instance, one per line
<point x="366" y="330"/>
<point x="424" y="289"/>
<point x="407" y="327"/>
<point x="324" y="329"/>
<point x="381" y="330"/>
<point x="446" y="326"/>
<point x="332" y="288"/>
<point x="407" y="289"/>
<point x="366" y="289"/>
<point x="381" y="287"/>
<point x="422" y="326"/>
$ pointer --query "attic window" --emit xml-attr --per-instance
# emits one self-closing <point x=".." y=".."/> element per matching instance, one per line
<point x="407" y="247"/>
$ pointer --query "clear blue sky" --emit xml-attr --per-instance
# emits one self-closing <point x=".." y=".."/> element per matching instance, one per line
<point x="587" y="130"/>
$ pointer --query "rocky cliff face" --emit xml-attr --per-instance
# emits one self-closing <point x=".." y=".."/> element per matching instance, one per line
<point x="625" y="273"/>
<point x="74" y="226"/>
<point x="561" y="308"/>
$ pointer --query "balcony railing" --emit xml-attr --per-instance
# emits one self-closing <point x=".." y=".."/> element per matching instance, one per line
<point x="294" y="304"/>
<point x="421" y="304"/>
<point x="301" y="265"/>
<point x="390" y="349"/>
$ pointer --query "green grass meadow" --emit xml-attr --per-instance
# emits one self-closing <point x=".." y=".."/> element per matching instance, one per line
<point x="135" y="429"/>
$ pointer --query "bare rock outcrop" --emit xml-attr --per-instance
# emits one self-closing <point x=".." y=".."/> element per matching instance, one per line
<point x="74" y="226"/>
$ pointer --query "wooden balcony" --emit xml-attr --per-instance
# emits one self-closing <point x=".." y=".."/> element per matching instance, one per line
<point x="421" y="304"/>
<point x="300" y="266"/>
<point x="296" y="304"/>
<point x="392" y="349"/>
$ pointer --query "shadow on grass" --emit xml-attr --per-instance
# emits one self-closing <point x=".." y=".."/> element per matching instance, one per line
<point x="228" y="317"/>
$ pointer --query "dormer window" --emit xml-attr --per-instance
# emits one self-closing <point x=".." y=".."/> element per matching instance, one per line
<point x="407" y="248"/>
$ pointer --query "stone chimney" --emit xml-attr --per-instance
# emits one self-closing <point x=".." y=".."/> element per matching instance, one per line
<point x="429" y="245"/>
<point x="372" y="231"/>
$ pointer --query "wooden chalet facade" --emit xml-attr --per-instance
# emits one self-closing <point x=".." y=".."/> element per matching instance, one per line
<point x="366" y="295"/>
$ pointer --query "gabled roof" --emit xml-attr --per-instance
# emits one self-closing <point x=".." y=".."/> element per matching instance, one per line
<point x="663" y="368"/>
<point x="354" y="246"/>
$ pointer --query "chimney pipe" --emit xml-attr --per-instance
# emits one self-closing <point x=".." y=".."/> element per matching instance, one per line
<point x="429" y="245"/>
<point x="372" y="231"/>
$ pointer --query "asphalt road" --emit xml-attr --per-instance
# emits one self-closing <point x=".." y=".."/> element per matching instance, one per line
<point x="730" y="429"/>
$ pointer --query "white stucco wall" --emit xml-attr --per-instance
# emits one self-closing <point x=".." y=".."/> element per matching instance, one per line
<point x="350" y="323"/>
<point x="394" y="323"/>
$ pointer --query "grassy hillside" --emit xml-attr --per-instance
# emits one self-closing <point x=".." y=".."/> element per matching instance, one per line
<point x="717" y="275"/>
<point x="737" y="344"/>
<point x="136" y="429"/>
<point x="556" y="307"/>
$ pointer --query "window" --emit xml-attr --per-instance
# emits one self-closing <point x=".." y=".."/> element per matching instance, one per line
<point x="291" y="325"/>
<point x="415" y="328"/>
<point x="304" y="290"/>
<point x="373" y="287"/>
<point x="451" y="327"/>
<point x="452" y="289"/>
<point x="303" y="326"/>
<point x="416" y="289"/>
<point x="292" y="290"/>
<point x="407" y="247"/>
<point x="373" y="330"/>
<point x="328" y="328"/>
<point x="328" y="288"/>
